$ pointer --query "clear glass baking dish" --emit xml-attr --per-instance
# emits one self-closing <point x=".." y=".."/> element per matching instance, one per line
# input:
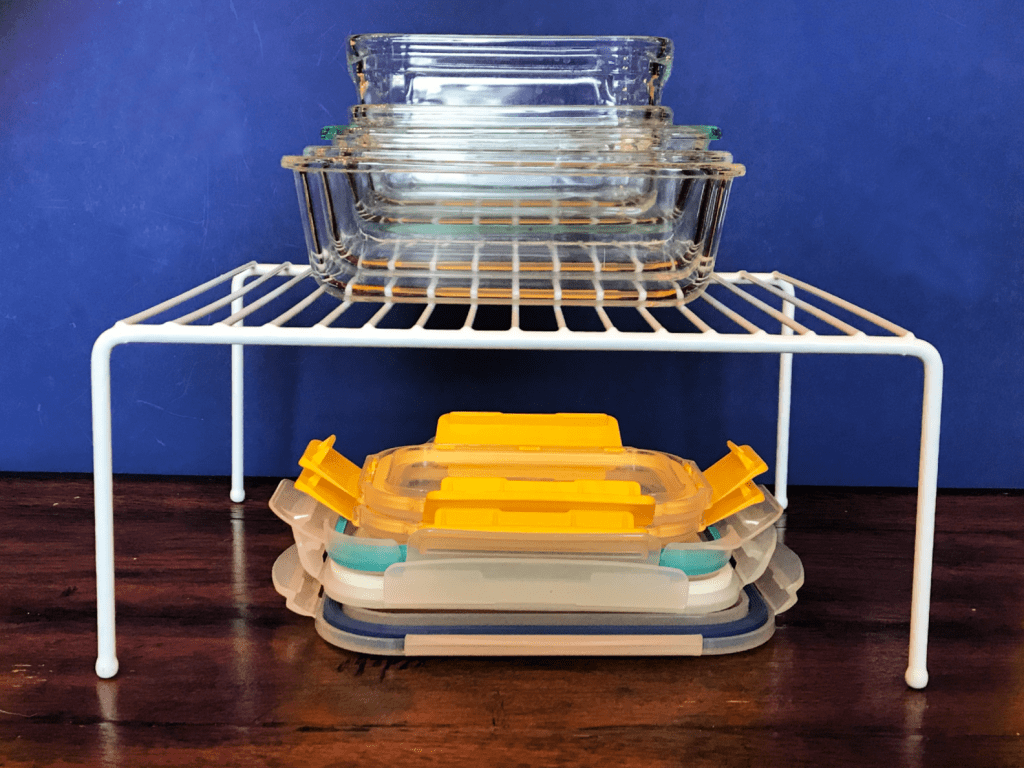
<point x="479" y="164"/>
<point x="502" y="116"/>
<point x="530" y="232"/>
<point x="498" y="70"/>
<point x="512" y="139"/>
<point x="441" y="288"/>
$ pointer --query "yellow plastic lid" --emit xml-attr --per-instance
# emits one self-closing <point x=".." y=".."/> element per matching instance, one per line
<point x="528" y="473"/>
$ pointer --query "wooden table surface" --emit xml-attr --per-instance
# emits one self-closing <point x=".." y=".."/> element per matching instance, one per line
<point x="216" y="671"/>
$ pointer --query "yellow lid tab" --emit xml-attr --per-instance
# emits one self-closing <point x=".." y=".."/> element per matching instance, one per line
<point x="747" y="495"/>
<point x="572" y="430"/>
<point x="732" y="486"/>
<point x="498" y="504"/>
<point x="329" y="477"/>
<point x="741" y="465"/>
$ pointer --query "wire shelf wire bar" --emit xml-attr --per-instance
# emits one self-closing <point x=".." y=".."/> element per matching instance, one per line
<point x="734" y="316"/>
<point x="699" y="324"/>
<point x="651" y="320"/>
<point x="849" y="306"/>
<point x="770" y="311"/>
<point x="146" y="314"/>
<point x="288" y="314"/>
<point x="470" y="317"/>
<point x="379" y="314"/>
<point x="333" y="315"/>
<point x="819" y="313"/>
<point x="421" y="321"/>
<point x="213" y="306"/>
<point x="267" y="298"/>
<point x="606" y="321"/>
<point x="560" y="319"/>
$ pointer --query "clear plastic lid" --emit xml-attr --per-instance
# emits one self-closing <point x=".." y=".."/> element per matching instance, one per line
<point x="542" y="585"/>
<point x="448" y="486"/>
<point x="747" y="537"/>
<point x="523" y="473"/>
<point x="516" y="584"/>
<point x="500" y="70"/>
<point x="746" y="625"/>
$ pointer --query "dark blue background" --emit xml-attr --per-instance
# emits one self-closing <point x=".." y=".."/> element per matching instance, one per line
<point x="140" y="146"/>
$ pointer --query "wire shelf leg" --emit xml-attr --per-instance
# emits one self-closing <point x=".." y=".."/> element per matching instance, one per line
<point x="237" y="423"/>
<point x="237" y="493"/>
<point x="785" y="406"/>
<point x="103" y="494"/>
<point x="927" y="481"/>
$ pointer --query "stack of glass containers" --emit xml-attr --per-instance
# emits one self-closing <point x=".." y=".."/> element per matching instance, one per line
<point x="515" y="533"/>
<point x="530" y="170"/>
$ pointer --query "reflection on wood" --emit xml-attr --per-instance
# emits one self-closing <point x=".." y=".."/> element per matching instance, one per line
<point x="214" y="669"/>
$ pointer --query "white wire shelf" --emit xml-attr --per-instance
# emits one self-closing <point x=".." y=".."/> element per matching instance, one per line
<point x="734" y="314"/>
<point x="281" y="304"/>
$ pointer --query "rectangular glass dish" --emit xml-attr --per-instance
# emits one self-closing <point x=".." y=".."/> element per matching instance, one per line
<point x="603" y="140"/>
<point x="410" y="151"/>
<point x="531" y="117"/>
<point x="639" y="232"/>
<point x="499" y="70"/>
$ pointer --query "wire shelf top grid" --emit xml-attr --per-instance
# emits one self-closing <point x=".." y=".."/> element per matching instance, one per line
<point x="281" y="298"/>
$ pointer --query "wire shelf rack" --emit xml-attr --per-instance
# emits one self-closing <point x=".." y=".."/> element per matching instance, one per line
<point x="281" y="304"/>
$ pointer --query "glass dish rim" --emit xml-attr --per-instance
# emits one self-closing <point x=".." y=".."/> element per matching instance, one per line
<point x="496" y="108"/>
<point x="437" y="37"/>
<point x="477" y="155"/>
<point x="709" y="132"/>
<point x="301" y="163"/>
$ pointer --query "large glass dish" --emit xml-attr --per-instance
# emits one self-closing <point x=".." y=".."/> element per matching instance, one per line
<point x="513" y="138"/>
<point x="413" y="153"/>
<point x="500" y="70"/>
<point x="532" y="232"/>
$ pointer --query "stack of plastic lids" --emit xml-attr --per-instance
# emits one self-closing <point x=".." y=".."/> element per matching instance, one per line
<point x="533" y="534"/>
<point x="529" y="170"/>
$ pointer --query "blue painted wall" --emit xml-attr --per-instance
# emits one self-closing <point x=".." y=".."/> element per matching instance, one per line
<point x="140" y="147"/>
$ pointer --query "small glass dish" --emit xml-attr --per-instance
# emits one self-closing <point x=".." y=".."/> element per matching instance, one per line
<point x="504" y="116"/>
<point x="500" y="70"/>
